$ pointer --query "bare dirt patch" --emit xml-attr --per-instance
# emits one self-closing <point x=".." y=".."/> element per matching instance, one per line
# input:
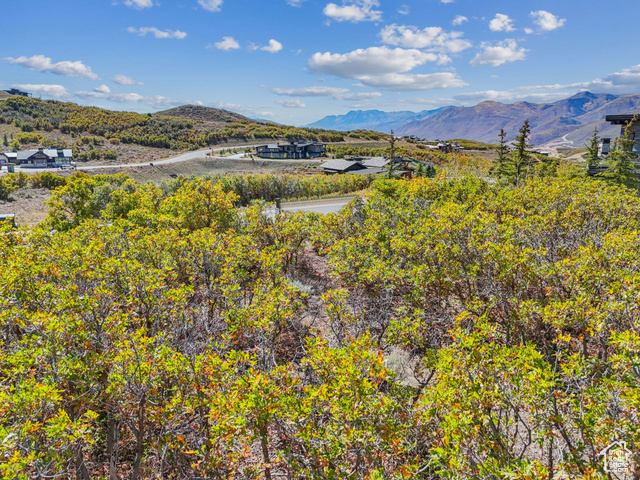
<point x="28" y="205"/>
<point x="209" y="166"/>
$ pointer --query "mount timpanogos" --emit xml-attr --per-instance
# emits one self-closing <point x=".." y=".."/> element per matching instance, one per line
<point x="565" y="123"/>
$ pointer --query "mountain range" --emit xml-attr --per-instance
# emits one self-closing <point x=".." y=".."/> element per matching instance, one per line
<point x="565" y="123"/>
<point x="373" y="120"/>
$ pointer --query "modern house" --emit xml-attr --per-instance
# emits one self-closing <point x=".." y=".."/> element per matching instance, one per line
<point x="632" y="120"/>
<point x="291" y="150"/>
<point x="15" y="91"/>
<point x="446" y="147"/>
<point x="40" y="158"/>
<point x="340" y="165"/>
<point x="360" y="166"/>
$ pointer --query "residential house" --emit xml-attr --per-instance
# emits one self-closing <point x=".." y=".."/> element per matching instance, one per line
<point x="291" y="150"/>
<point x="360" y="166"/>
<point x="43" y="158"/>
<point x="632" y="120"/>
<point x="8" y="157"/>
<point x="15" y="91"/>
<point x="340" y="165"/>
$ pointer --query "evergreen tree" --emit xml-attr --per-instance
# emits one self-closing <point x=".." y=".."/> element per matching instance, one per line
<point x="620" y="162"/>
<point x="592" y="158"/>
<point x="392" y="146"/>
<point x="5" y="141"/>
<point x="502" y="168"/>
<point x="391" y="166"/>
<point x="520" y="160"/>
<point x="430" y="171"/>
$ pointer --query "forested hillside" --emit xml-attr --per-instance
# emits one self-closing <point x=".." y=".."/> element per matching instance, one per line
<point x="184" y="128"/>
<point x="434" y="329"/>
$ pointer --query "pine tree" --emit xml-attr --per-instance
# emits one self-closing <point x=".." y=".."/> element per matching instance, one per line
<point x="520" y="160"/>
<point x="392" y="146"/>
<point x="502" y="168"/>
<point x="593" y="147"/>
<point x="620" y="162"/>
<point x="391" y="166"/>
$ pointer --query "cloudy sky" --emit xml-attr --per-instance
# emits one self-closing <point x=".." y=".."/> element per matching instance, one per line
<point x="295" y="61"/>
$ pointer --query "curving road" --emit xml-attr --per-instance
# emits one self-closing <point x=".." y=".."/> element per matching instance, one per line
<point x="177" y="159"/>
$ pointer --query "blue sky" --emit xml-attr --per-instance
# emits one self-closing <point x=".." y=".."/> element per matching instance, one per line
<point x="295" y="61"/>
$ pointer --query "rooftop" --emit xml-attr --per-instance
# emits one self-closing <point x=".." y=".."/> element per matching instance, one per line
<point x="623" y="119"/>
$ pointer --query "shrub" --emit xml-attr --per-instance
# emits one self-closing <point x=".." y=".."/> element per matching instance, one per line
<point x="7" y="187"/>
<point x="47" y="180"/>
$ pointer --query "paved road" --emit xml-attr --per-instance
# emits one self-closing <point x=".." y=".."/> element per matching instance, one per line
<point x="330" y="205"/>
<point x="318" y="206"/>
<point x="177" y="159"/>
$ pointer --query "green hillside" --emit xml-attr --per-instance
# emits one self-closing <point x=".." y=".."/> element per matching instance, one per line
<point x="182" y="128"/>
<point x="197" y="112"/>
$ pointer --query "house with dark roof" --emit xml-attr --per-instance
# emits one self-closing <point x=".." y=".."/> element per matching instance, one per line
<point x="360" y="166"/>
<point x="8" y="157"/>
<point x="630" y="120"/>
<point x="291" y="150"/>
<point x="340" y="165"/>
<point x="41" y="158"/>
<point x="15" y="91"/>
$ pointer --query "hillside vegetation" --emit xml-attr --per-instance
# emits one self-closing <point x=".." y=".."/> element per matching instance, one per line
<point x="198" y="112"/>
<point x="200" y="127"/>
<point x="435" y="329"/>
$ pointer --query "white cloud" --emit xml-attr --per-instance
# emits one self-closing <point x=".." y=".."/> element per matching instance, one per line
<point x="359" y="96"/>
<point x="234" y="107"/>
<point x="507" y="96"/>
<point x="102" y="89"/>
<point x="211" y="5"/>
<point x="315" y="91"/>
<point x="226" y="44"/>
<point x="295" y="3"/>
<point x="501" y="23"/>
<point x="53" y="91"/>
<point x="157" y="101"/>
<point x="368" y="62"/>
<point x="528" y="31"/>
<point x="354" y="11"/>
<point x="404" y="10"/>
<point x="273" y="47"/>
<point x="547" y="21"/>
<point x="503" y="52"/>
<point x="625" y="81"/>
<point x="139" y="4"/>
<point x="143" y="31"/>
<point x="291" y="103"/>
<point x="44" y="64"/>
<point x="124" y="80"/>
<point x="447" y="1"/>
<point x="433" y="38"/>
<point x="459" y="20"/>
<point x="413" y="82"/>
<point x="384" y="68"/>
<point x="332" y="92"/>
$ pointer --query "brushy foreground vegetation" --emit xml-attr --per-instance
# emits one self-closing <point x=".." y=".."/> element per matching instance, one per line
<point x="439" y="329"/>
